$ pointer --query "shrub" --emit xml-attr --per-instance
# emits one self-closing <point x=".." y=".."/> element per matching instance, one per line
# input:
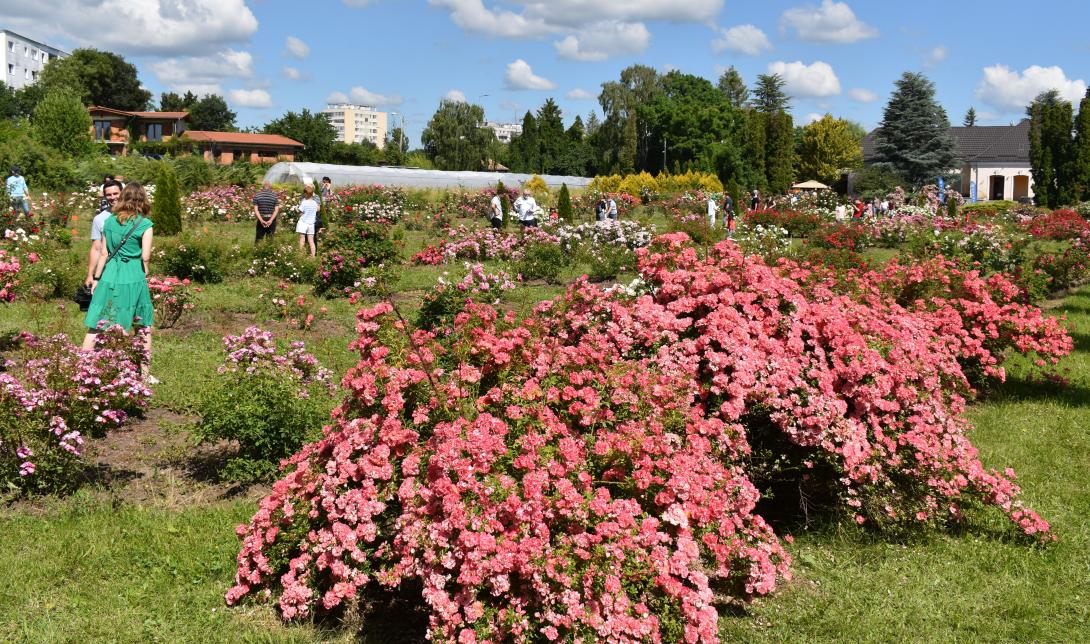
<point x="590" y="465"/>
<point x="166" y="209"/>
<point x="53" y="394"/>
<point x="269" y="401"/>
<point x="1058" y="224"/>
<point x="446" y="300"/>
<point x="541" y="262"/>
<point x="295" y="310"/>
<point x="283" y="261"/>
<point x="355" y="256"/>
<point x="60" y="121"/>
<point x="538" y="187"/>
<point x="799" y="224"/>
<point x="854" y="237"/>
<point x="9" y="275"/>
<point x="988" y="208"/>
<point x="563" y="204"/>
<point x="199" y="258"/>
<point x="171" y="297"/>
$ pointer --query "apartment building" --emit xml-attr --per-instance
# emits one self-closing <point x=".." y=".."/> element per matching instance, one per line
<point x="24" y="59"/>
<point x="358" y="123"/>
<point x="505" y="131"/>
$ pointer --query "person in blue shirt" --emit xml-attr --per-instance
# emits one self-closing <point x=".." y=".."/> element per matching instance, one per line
<point x="18" y="191"/>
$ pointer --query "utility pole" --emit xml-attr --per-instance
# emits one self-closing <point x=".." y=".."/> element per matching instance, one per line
<point x="664" y="154"/>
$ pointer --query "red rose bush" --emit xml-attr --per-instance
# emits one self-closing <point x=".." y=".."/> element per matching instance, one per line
<point x="587" y="473"/>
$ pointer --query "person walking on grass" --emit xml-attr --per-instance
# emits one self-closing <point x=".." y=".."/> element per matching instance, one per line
<point x="496" y="211"/>
<point x="308" y="209"/>
<point x="119" y="285"/>
<point x="266" y="209"/>
<point x="18" y="192"/>
<point x="111" y="192"/>
<point x="713" y="207"/>
<point x="326" y="199"/>
<point x="601" y="209"/>
<point x="612" y="212"/>
<point x="526" y="207"/>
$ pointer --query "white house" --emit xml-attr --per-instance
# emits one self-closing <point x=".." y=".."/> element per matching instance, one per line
<point x="994" y="160"/>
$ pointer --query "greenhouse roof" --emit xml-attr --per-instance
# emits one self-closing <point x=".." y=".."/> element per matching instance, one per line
<point x="341" y="175"/>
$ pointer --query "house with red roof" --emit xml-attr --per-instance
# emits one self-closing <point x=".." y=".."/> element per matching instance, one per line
<point x="118" y="129"/>
<point x="227" y="147"/>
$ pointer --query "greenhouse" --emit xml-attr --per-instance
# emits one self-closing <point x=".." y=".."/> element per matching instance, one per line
<point x="341" y="175"/>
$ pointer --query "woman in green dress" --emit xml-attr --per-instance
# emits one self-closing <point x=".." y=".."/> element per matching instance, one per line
<point x="120" y="289"/>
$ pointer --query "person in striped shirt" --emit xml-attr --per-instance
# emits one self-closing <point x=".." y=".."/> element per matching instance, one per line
<point x="266" y="208"/>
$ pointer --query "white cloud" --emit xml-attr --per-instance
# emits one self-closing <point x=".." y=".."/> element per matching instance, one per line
<point x="742" y="39"/>
<point x="830" y="22"/>
<point x="521" y="76"/>
<point x="861" y="95"/>
<point x="337" y="97"/>
<point x="137" y="27"/>
<point x="601" y="40"/>
<point x="365" y="97"/>
<point x="256" y="98"/>
<point x="936" y="56"/>
<point x="291" y="73"/>
<point x="296" y="48"/>
<point x="472" y="15"/>
<point x="455" y="95"/>
<point x="816" y="80"/>
<point x="811" y="117"/>
<point x="1011" y="90"/>
<point x="203" y="74"/>
<point x="579" y="95"/>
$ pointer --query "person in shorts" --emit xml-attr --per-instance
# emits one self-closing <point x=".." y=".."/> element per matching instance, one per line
<point x="308" y="209"/>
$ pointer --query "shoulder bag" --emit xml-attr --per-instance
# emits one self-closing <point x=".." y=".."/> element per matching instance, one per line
<point x="82" y="296"/>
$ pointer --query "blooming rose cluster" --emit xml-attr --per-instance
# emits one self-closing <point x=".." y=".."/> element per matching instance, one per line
<point x="9" y="271"/>
<point x="171" y="297"/>
<point x="584" y="473"/>
<point x="256" y="350"/>
<point x="489" y="243"/>
<point x="53" y="394"/>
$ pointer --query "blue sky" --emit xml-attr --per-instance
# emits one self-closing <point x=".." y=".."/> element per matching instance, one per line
<point x="270" y="56"/>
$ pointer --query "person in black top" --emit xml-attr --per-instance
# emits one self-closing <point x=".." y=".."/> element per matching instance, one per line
<point x="266" y="209"/>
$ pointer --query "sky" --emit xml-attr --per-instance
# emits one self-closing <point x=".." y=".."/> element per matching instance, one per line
<point x="270" y="56"/>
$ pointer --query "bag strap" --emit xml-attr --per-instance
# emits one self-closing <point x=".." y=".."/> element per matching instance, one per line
<point x="135" y="223"/>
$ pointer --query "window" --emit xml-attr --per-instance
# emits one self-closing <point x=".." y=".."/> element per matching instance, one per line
<point x="26" y="52"/>
<point x="11" y="46"/>
<point x="45" y="57"/>
<point x="102" y="130"/>
<point x="26" y="74"/>
<point x="34" y="54"/>
<point x="11" y="69"/>
<point x="155" y="132"/>
<point x="34" y="76"/>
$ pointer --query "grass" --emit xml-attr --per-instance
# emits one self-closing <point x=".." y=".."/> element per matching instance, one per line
<point x="92" y="567"/>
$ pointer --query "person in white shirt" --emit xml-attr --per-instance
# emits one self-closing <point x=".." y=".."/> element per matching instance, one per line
<point x="308" y="209"/>
<point x="612" y="212"/>
<point x="111" y="192"/>
<point x="497" y="211"/>
<point x="713" y="208"/>
<point x="841" y="212"/>
<point x="526" y="206"/>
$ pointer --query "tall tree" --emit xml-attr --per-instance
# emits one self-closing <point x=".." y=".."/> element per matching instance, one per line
<point x="524" y="153"/>
<point x="970" y="117"/>
<point x="1080" y="156"/>
<point x="914" y="135"/>
<point x="174" y="102"/>
<point x="98" y="78"/>
<point x="827" y="149"/>
<point x="19" y="103"/>
<point x="780" y="159"/>
<point x="1050" y="149"/>
<point x="768" y="95"/>
<point x="734" y="88"/>
<point x="625" y="140"/>
<point x="166" y="208"/>
<point x="61" y="122"/>
<point x="551" y="138"/>
<point x="211" y="113"/>
<point x="691" y="119"/>
<point x="314" y="131"/>
<point x="455" y="137"/>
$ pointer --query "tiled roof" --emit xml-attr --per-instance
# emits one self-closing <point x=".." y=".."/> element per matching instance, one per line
<point x="145" y="115"/>
<point x="978" y="143"/>
<point x="241" y="138"/>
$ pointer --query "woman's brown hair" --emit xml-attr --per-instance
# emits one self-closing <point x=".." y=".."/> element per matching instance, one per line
<point x="133" y="200"/>
<point x="308" y="190"/>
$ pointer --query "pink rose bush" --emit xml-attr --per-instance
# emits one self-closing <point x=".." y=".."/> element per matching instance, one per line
<point x="53" y="394"/>
<point x="172" y="298"/>
<point x="589" y="472"/>
<point x="9" y="272"/>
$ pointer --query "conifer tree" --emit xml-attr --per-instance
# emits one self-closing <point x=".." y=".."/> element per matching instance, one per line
<point x="914" y="136"/>
<point x="1081" y="153"/>
<point x="166" y="209"/>
<point x="1050" y="149"/>
<point x="970" y="117"/>
<point x="563" y="204"/>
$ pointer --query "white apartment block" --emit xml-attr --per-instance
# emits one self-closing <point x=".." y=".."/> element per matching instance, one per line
<point x="23" y="59"/>
<point x="505" y="131"/>
<point x="358" y="123"/>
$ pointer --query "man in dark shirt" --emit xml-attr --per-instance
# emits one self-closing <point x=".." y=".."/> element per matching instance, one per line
<point x="266" y="208"/>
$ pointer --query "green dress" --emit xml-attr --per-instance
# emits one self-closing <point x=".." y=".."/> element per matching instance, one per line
<point x="121" y="296"/>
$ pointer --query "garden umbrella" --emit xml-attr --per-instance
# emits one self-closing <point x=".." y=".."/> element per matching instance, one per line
<point x="811" y="185"/>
